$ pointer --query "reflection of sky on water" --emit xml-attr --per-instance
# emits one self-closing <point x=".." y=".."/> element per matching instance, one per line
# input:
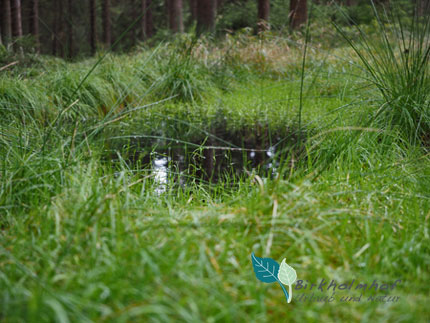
<point x="160" y="174"/>
<point x="160" y="168"/>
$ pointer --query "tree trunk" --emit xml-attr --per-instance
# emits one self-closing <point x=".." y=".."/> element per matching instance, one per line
<point x="93" y="26"/>
<point x="205" y="16"/>
<point x="107" y="39"/>
<point x="7" y="16"/>
<point x="149" y="23"/>
<point x="168" y="10"/>
<point x="263" y="14"/>
<point x="1" y="22"/>
<point x="193" y="9"/>
<point x="143" y="20"/>
<point x="70" y="44"/>
<point x="174" y="8"/>
<point x="133" y="15"/>
<point x="423" y="7"/>
<point x="55" y="30"/>
<point x="60" y="28"/>
<point x="17" y="21"/>
<point x="298" y="13"/>
<point x="34" y="23"/>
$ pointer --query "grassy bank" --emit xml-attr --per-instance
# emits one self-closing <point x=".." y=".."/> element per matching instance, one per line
<point x="86" y="237"/>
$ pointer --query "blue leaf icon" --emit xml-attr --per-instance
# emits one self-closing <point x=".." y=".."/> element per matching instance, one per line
<point x="266" y="270"/>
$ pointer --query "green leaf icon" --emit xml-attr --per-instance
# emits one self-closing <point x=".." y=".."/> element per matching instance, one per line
<point x="287" y="276"/>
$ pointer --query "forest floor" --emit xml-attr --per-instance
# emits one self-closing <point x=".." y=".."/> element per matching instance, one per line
<point x="87" y="235"/>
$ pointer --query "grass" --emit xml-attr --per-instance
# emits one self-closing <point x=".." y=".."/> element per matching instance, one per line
<point x="107" y="248"/>
<point x="398" y="64"/>
<point x="86" y="239"/>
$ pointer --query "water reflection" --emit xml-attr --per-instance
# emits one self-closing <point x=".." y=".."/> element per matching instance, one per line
<point x="162" y="166"/>
<point x="160" y="170"/>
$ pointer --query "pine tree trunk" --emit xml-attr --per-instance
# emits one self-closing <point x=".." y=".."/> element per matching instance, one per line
<point x="55" y="30"/>
<point x="17" y="21"/>
<point x="168" y="10"/>
<point x="193" y="9"/>
<point x="58" y="30"/>
<point x="205" y="16"/>
<point x="70" y="44"/>
<point x="143" y="20"/>
<point x="263" y="14"/>
<point x="174" y="8"/>
<point x="7" y="16"/>
<point x="149" y="23"/>
<point x="93" y="26"/>
<point x="1" y="22"/>
<point x="107" y="39"/>
<point x="423" y="7"/>
<point x="34" y="23"/>
<point x="61" y="28"/>
<point x="298" y="13"/>
<point x="134" y="31"/>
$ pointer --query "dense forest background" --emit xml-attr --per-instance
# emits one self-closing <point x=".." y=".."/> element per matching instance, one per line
<point x="72" y="29"/>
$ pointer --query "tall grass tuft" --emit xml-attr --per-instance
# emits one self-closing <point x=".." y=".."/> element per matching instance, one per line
<point x="396" y="60"/>
<point x="181" y="75"/>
